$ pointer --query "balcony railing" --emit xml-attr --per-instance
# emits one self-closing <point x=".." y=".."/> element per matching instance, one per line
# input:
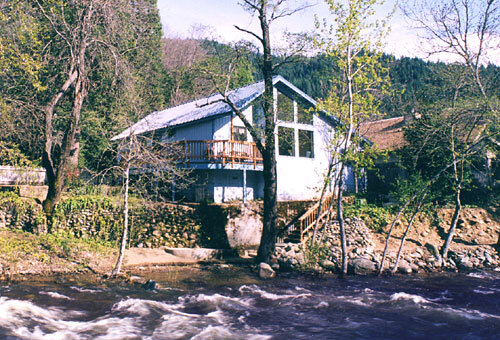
<point x="222" y="151"/>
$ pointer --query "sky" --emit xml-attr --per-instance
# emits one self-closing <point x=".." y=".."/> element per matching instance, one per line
<point x="218" y="17"/>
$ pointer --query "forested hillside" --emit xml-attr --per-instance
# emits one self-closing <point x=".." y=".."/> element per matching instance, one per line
<point x="416" y="84"/>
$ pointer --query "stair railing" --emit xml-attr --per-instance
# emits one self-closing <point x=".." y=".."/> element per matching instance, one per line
<point x="308" y="220"/>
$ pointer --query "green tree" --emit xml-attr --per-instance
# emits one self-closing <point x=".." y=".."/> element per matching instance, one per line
<point x="354" y="44"/>
<point x="84" y="48"/>
<point x="21" y="69"/>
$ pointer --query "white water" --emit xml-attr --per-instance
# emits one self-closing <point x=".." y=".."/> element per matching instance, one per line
<point x="458" y="307"/>
<point x="26" y="320"/>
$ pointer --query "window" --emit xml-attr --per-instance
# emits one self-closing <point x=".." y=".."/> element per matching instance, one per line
<point x="286" y="141"/>
<point x="304" y="116"/>
<point x="239" y="133"/>
<point x="285" y="108"/>
<point x="306" y="143"/>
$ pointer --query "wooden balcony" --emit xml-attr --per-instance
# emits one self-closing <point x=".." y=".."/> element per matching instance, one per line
<point x="222" y="151"/>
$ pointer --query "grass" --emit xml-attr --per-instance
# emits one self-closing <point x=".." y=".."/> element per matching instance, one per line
<point x="25" y="252"/>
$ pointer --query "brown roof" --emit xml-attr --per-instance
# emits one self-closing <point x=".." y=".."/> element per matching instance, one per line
<point x="386" y="134"/>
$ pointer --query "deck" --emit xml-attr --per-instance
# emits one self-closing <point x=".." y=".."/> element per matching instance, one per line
<point x="225" y="152"/>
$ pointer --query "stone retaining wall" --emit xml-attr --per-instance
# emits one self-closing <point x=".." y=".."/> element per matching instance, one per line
<point x="154" y="225"/>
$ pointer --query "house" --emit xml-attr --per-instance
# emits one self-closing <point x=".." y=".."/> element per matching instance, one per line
<point x="224" y="158"/>
<point x="387" y="135"/>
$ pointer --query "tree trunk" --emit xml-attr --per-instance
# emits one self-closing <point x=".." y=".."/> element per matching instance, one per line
<point x="340" y="217"/>
<point x="453" y="225"/>
<point x="417" y="209"/>
<point x="57" y="178"/>
<point x="268" y="239"/>
<point x="123" y="244"/>
<point x="51" y="169"/>
<point x="57" y="173"/>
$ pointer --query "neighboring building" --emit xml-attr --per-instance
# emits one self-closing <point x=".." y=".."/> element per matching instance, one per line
<point x="223" y="155"/>
<point x="387" y="135"/>
<point x="16" y="176"/>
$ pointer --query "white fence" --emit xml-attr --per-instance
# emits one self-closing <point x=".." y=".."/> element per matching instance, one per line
<point x="10" y="175"/>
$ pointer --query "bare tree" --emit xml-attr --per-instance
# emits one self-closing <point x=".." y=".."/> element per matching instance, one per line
<point x="267" y="12"/>
<point x="146" y="159"/>
<point x="467" y="30"/>
<point x="182" y="58"/>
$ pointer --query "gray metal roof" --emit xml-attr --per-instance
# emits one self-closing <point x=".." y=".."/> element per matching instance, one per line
<point x="209" y="107"/>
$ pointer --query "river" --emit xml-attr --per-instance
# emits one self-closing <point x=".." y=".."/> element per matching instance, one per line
<point x="222" y="302"/>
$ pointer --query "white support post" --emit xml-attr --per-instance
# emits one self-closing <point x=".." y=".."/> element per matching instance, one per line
<point x="244" y="185"/>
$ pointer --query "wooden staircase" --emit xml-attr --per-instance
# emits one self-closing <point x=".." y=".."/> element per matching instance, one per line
<point x="301" y="228"/>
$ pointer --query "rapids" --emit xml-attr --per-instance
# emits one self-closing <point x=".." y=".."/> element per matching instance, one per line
<point x="229" y="303"/>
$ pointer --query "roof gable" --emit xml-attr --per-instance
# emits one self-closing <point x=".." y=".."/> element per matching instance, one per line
<point x="386" y="134"/>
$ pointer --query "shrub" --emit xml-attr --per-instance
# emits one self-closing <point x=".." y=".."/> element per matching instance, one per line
<point x="375" y="217"/>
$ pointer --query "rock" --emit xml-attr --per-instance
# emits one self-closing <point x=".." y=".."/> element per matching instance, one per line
<point x="488" y="258"/>
<point x="149" y="285"/>
<point x="404" y="267"/>
<point x="300" y="258"/>
<point x="434" y="251"/>
<point x="275" y="266"/>
<point x="464" y="263"/>
<point x="265" y="271"/>
<point x="362" y="266"/>
<point x="327" y="264"/>
<point x="136" y="279"/>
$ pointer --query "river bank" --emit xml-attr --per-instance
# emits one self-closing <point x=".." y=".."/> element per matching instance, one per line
<point x="23" y="253"/>
<point x="475" y="246"/>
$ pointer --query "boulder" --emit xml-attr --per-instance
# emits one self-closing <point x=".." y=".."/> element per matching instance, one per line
<point x="489" y="259"/>
<point x="404" y="267"/>
<point x="149" y="285"/>
<point x="362" y="266"/>
<point x="265" y="271"/>
<point x="300" y="258"/>
<point x="434" y="251"/>
<point x="464" y="263"/>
